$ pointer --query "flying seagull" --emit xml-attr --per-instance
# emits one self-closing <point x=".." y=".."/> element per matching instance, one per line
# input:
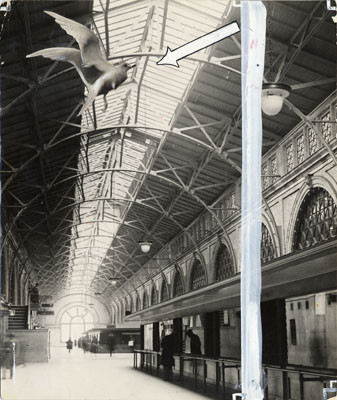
<point x="96" y="72"/>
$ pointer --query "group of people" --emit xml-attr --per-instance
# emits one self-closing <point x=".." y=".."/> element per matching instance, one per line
<point x="84" y="343"/>
<point x="168" y="349"/>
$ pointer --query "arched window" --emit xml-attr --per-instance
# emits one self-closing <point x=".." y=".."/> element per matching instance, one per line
<point x="164" y="291"/>
<point x="126" y="306"/>
<point x="154" y="299"/>
<point x="178" y="288"/>
<point x="198" y="276"/>
<point x="145" y="300"/>
<point x="224" y="264"/>
<point x="317" y="219"/>
<point x="137" y="303"/>
<point x="267" y="247"/>
<point x="12" y="287"/>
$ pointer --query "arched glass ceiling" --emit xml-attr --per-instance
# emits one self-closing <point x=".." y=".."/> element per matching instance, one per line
<point x="149" y="98"/>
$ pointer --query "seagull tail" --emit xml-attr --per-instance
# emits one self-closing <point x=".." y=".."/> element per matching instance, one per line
<point x="91" y="97"/>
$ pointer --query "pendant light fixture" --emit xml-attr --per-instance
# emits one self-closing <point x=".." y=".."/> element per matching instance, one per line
<point x="273" y="95"/>
<point x="145" y="246"/>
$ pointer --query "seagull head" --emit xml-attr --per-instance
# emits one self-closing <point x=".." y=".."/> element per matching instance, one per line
<point x="125" y="66"/>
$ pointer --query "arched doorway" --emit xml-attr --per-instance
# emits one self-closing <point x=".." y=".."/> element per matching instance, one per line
<point x="74" y="322"/>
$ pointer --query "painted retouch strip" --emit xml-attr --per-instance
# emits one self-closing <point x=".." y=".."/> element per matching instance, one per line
<point x="253" y="33"/>
<point x="172" y="56"/>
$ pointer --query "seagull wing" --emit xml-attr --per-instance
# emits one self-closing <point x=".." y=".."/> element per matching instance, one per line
<point x="87" y="40"/>
<point x="73" y="56"/>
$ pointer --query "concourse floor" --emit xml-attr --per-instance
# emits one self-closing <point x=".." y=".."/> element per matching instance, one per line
<point x="79" y="376"/>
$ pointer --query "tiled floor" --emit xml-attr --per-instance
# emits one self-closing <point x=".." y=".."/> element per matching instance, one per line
<point x="78" y="376"/>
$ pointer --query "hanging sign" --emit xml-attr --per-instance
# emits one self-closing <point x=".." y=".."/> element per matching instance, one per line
<point x="45" y="312"/>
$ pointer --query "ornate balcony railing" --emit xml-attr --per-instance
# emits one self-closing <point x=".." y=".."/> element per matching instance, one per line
<point x="299" y="145"/>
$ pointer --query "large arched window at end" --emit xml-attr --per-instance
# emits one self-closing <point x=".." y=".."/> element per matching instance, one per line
<point x="316" y="221"/>
<point x="198" y="276"/>
<point x="74" y="321"/>
<point x="267" y="246"/>
<point x="164" y="295"/>
<point x="224" y="264"/>
<point x="154" y="299"/>
<point x="178" y="288"/>
<point x="145" y="300"/>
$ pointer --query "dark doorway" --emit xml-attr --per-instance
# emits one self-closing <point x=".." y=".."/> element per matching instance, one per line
<point x="156" y="338"/>
<point x="178" y="331"/>
<point x="212" y="334"/>
<point x="274" y="332"/>
<point x="142" y="337"/>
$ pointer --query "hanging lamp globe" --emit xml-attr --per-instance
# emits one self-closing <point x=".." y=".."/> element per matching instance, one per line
<point x="273" y="95"/>
<point x="145" y="246"/>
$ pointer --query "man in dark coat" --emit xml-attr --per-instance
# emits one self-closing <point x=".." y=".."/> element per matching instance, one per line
<point x="85" y="345"/>
<point x="167" y="360"/>
<point x="195" y="342"/>
<point x="69" y="344"/>
<point x="111" y="343"/>
<point x="7" y="356"/>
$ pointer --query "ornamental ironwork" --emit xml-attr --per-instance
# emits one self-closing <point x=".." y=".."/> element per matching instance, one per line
<point x="265" y="177"/>
<point x="313" y="144"/>
<point x="317" y="219"/>
<point x="178" y="288"/>
<point x="267" y="246"/>
<point x="274" y="169"/>
<point x="164" y="295"/>
<point x="326" y="127"/>
<point x="290" y="157"/>
<point x="224" y="264"/>
<point x="300" y="149"/>
<point x="153" y="296"/>
<point x="198" y="276"/>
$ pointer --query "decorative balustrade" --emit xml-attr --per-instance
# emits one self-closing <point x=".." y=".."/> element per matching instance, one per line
<point x="300" y="144"/>
<point x="296" y="147"/>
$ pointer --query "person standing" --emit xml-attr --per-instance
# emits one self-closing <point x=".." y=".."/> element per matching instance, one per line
<point x="85" y="345"/>
<point x="111" y="343"/>
<point x="167" y="359"/>
<point x="8" y="356"/>
<point x="69" y="344"/>
<point x="195" y="342"/>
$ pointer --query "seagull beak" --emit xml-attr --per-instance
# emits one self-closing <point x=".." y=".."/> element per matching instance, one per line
<point x="131" y="66"/>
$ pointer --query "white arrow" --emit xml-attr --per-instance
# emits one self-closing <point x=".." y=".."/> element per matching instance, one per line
<point x="171" y="57"/>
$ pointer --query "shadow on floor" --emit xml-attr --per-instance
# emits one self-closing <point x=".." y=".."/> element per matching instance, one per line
<point x="208" y="390"/>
